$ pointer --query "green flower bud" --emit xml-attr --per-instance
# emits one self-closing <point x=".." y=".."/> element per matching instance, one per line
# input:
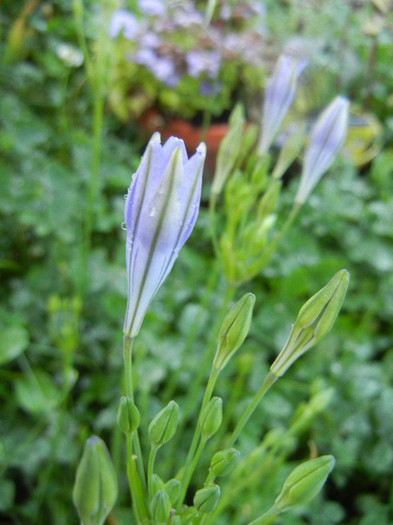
<point x="304" y="482"/>
<point x="128" y="416"/>
<point x="229" y="150"/>
<point x="211" y="417"/>
<point x="160" y="507"/>
<point x="156" y="483"/>
<point x="173" y="487"/>
<point x="234" y="330"/>
<point x="206" y="499"/>
<point x="163" y="426"/>
<point x="95" y="488"/>
<point x="289" y="151"/>
<point x="315" y="319"/>
<point x="224" y="461"/>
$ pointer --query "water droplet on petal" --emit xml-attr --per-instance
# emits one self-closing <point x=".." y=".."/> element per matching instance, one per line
<point x="152" y="211"/>
<point x="124" y="226"/>
<point x="125" y="195"/>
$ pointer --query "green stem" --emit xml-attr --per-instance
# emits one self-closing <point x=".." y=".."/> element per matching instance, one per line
<point x="134" y="477"/>
<point x="150" y="470"/>
<point x="267" y="383"/>
<point x="88" y="219"/>
<point x="190" y="405"/>
<point x="265" y="518"/>
<point x="195" y="385"/>
<point x="213" y="276"/>
<point x="213" y="229"/>
<point x="127" y="348"/>
<point x="194" y="452"/>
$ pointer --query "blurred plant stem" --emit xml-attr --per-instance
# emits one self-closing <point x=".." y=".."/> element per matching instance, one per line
<point x="194" y="329"/>
<point x="269" y="380"/>
<point x="135" y="468"/>
<point x="198" y="442"/>
<point x="96" y="77"/>
<point x="192" y="399"/>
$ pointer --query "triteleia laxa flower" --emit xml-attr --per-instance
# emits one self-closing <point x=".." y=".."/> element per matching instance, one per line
<point x="279" y="94"/>
<point x="160" y="212"/>
<point x="326" y="139"/>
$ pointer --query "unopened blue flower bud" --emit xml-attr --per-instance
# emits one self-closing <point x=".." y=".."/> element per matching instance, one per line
<point x="326" y="139"/>
<point x="95" y="488"/>
<point x="160" y="212"/>
<point x="160" y="507"/>
<point x="224" y="461"/>
<point x="315" y="319"/>
<point x="304" y="482"/>
<point x="206" y="499"/>
<point x="128" y="416"/>
<point x="164" y="425"/>
<point x="211" y="417"/>
<point x="279" y="95"/>
<point x="234" y="330"/>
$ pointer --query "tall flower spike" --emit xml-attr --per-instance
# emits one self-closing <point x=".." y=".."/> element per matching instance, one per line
<point x="160" y="212"/>
<point x="279" y="95"/>
<point x="326" y="139"/>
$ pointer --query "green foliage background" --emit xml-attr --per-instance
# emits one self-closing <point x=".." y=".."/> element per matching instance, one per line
<point x="60" y="334"/>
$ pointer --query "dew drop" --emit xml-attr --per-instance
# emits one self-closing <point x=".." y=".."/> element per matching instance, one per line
<point x="124" y="226"/>
<point x="125" y="195"/>
<point x="152" y="211"/>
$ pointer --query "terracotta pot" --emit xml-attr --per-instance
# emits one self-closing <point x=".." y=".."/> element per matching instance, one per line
<point x="191" y="134"/>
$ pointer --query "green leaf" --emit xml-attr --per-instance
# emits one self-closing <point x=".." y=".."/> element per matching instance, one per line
<point x="13" y="341"/>
<point x="37" y="392"/>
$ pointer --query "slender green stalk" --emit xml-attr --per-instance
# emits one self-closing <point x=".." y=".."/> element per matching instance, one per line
<point x="213" y="228"/>
<point x="88" y="219"/>
<point x="150" y="470"/>
<point x="191" y="401"/>
<point x="196" y="383"/>
<point x="266" y="518"/>
<point x="192" y="333"/>
<point x="267" y="383"/>
<point x="134" y="477"/>
<point x="194" y="452"/>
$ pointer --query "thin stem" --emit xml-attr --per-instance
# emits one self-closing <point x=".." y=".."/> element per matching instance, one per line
<point x="127" y="348"/>
<point x="267" y="383"/>
<point x="150" y="470"/>
<point x="135" y="486"/>
<point x="194" y="453"/>
<point x="134" y="477"/>
<point x="265" y="518"/>
<point x="213" y="276"/>
<point x="195" y="385"/>
<point x="213" y="229"/>
<point x="92" y="188"/>
<point x="191" y="401"/>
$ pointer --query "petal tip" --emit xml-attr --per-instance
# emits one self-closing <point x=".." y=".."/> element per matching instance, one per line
<point x="156" y="138"/>
<point x="202" y="149"/>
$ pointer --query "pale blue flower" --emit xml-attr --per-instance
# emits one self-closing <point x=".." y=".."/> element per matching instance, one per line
<point x="160" y="212"/>
<point x="201" y="61"/>
<point x="279" y="95"/>
<point x="124" y="22"/>
<point x="326" y="139"/>
<point x="152" y="7"/>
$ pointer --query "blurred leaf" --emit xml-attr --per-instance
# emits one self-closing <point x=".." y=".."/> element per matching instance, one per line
<point x="7" y="494"/>
<point x="37" y="393"/>
<point x="13" y="341"/>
